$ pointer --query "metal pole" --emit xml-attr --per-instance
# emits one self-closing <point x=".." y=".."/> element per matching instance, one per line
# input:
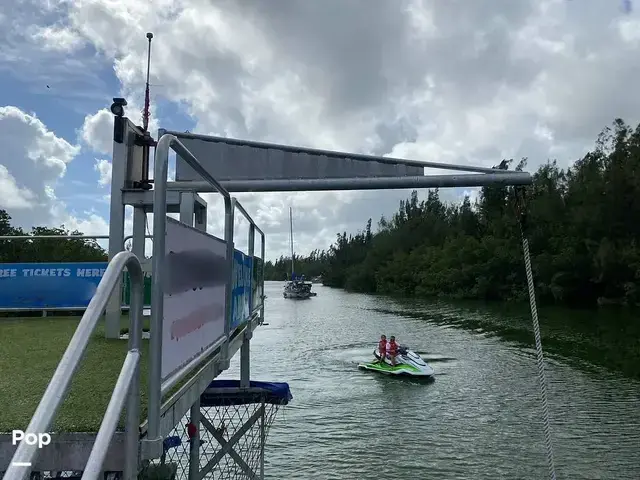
<point x="110" y="422"/>
<point x="161" y="166"/>
<point x="251" y="252"/>
<point x="147" y="100"/>
<point x="291" y="228"/>
<point x="138" y="237"/>
<point x="245" y="348"/>
<point x="194" y="450"/>
<point x="263" y="435"/>
<point x="187" y="208"/>
<point x="119" y="164"/>
<point x="67" y="237"/>
<point x="138" y="240"/>
<point x="201" y="218"/>
<point x="132" y="421"/>
<point x="263" y="261"/>
<point x="371" y="183"/>
<point x="54" y="237"/>
<point x="228" y="238"/>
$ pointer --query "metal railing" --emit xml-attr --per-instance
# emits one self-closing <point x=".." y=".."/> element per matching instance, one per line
<point x="65" y="237"/>
<point x="126" y="390"/>
<point x="157" y="386"/>
<point x="161" y="167"/>
<point x="253" y="228"/>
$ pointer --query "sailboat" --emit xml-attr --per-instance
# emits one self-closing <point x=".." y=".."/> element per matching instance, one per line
<point x="296" y="288"/>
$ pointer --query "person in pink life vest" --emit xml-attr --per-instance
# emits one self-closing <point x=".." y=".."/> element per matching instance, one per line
<point x="392" y="350"/>
<point x="382" y="348"/>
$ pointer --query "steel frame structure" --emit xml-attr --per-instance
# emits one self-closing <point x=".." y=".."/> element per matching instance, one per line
<point x="130" y="187"/>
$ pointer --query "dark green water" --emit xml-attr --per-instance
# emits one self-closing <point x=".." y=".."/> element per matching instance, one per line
<point x="480" y="419"/>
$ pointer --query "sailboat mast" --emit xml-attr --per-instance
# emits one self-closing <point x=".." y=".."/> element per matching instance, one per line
<point x="291" y="230"/>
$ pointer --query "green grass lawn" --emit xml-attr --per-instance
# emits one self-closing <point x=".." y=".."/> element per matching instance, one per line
<point x="30" y="349"/>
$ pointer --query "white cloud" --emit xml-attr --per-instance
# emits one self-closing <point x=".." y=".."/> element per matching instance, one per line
<point x="92" y="224"/>
<point x="455" y="81"/>
<point x="34" y="161"/>
<point x="103" y="167"/>
<point x="56" y="38"/>
<point x="14" y="196"/>
<point x="97" y="131"/>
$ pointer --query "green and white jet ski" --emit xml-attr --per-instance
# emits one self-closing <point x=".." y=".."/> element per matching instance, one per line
<point x="408" y="364"/>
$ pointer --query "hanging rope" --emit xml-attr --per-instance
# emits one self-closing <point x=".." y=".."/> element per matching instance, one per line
<point x="521" y="215"/>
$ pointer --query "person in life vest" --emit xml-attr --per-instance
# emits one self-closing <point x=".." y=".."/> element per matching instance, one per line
<point x="392" y="350"/>
<point x="382" y="348"/>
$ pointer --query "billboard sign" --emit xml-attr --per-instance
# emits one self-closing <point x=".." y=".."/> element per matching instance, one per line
<point x="56" y="286"/>
<point x="41" y="286"/>
<point x="241" y="294"/>
<point x="196" y="273"/>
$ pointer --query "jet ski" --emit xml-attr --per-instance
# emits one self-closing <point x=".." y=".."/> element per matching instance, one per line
<point x="408" y="364"/>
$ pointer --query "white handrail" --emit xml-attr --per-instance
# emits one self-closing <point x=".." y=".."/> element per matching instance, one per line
<point x="127" y="387"/>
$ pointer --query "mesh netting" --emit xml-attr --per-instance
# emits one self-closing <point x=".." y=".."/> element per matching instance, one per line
<point x="243" y="428"/>
<point x="232" y="437"/>
<point x="67" y="475"/>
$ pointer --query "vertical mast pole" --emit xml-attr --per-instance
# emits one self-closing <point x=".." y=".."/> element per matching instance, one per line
<point x="147" y="100"/>
<point x="291" y="232"/>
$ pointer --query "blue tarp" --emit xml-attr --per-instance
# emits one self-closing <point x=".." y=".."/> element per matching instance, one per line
<point x="269" y="392"/>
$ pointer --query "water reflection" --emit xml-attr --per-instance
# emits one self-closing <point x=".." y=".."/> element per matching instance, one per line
<point x="479" y="419"/>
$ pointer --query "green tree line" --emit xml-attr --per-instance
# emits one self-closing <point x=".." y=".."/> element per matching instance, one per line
<point x="583" y="230"/>
<point x="55" y="250"/>
<point x="46" y="250"/>
<point x="312" y="265"/>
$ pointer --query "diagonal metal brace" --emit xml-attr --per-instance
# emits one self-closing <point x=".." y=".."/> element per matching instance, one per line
<point x="227" y="446"/>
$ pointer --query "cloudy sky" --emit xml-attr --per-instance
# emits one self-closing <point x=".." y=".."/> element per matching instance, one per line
<point x="459" y="81"/>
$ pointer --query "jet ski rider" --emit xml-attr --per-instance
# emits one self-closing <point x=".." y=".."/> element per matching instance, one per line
<point x="382" y="348"/>
<point x="392" y="349"/>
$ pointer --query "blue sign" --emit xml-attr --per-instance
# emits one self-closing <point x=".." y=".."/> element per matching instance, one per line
<point x="48" y="285"/>
<point x="241" y="292"/>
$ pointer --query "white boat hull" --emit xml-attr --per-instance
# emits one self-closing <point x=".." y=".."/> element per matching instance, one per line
<point x="298" y="290"/>
<point x="296" y="295"/>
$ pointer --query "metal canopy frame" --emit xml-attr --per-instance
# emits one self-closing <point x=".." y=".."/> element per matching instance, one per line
<point x="379" y="183"/>
<point x="479" y="176"/>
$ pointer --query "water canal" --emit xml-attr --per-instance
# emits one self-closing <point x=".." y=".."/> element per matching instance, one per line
<point x="480" y="419"/>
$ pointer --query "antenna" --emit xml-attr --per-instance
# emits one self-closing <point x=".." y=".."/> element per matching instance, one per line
<point x="147" y="140"/>
<point x="147" y="101"/>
